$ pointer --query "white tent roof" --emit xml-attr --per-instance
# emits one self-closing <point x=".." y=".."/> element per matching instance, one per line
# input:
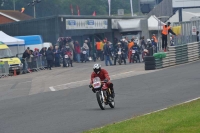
<point x="154" y="22"/>
<point x="9" y="40"/>
<point x="129" y="25"/>
<point x="186" y="16"/>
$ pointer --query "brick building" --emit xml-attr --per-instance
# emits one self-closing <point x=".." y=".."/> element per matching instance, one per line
<point x="8" y="16"/>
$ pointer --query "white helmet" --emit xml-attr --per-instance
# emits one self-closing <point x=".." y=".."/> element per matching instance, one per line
<point x="136" y="41"/>
<point x="149" y="40"/>
<point x="97" y="68"/>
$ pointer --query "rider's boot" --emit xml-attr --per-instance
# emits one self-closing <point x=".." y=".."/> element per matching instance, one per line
<point x="112" y="93"/>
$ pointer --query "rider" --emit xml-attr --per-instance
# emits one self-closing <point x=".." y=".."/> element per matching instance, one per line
<point x="137" y="49"/>
<point x="69" y="53"/>
<point x="122" y="49"/>
<point x="149" y="47"/>
<point x="103" y="75"/>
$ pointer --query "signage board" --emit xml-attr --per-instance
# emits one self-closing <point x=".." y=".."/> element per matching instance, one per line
<point x="114" y="23"/>
<point x="185" y="3"/>
<point x="194" y="30"/>
<point x="120" y="12"/>
<point x="86" y="24"/>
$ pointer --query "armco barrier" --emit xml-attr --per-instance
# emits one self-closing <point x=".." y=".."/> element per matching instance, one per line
<point x="4" y="69"/>
<point x="179" y="55"/>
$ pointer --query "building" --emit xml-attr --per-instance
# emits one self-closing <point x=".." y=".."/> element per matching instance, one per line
<point x="79" y="27"/>
<point x="8" y="16"/>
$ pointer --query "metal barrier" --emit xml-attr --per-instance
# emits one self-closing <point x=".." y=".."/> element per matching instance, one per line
<point x="36" y="63"/>
<point x="179" y="55"/>
<point x="4" y="69"/>
<point x="188" y="32"/>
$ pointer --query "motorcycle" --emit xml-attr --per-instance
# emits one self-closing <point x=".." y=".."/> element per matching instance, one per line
<point x="84" y="55"/>
<point x="67" y="59"/>
<point x="145" y="53"/>
<point x="120" y="57"/>
<point x="134" y="55"/>
<point x="103" y="93"/>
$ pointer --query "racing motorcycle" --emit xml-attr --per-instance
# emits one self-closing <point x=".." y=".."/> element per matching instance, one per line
<point x="103" y="93"/>
<point x="134" y="55"/>
<point x="83" y="55"/>
<point x="120" y="54"/>
<point x="67" y="58"/>
<point x="145" y="53"/>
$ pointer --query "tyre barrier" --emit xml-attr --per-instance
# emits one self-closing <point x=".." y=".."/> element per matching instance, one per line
<point x="179" y="55"/>
<point x="149" y="62"/>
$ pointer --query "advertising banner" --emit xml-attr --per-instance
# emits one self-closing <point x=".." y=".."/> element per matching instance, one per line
<point x="185" y="3"/>
<point x="86" y="24"/>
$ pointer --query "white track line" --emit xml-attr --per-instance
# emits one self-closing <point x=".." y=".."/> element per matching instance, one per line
<point x="52" y="89"/>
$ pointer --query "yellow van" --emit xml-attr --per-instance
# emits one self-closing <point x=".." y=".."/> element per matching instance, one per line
<point x="13" y="62"/>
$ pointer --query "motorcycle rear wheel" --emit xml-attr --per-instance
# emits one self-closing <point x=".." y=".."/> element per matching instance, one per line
<point x="100" y="100"/>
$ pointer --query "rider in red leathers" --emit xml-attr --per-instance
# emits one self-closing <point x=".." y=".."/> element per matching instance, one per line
<point x="103" y="75"/>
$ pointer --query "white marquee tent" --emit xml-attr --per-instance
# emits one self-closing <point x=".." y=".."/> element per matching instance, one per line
<point x="15" y="45"/>
<point x="186" y="16"/>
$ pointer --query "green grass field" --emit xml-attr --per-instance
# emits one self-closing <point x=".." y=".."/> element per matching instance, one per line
<point x="183" y="118"/>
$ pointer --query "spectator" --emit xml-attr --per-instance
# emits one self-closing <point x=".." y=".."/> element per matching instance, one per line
<point x="71" y="45"/>
<point x="43" y="51"/>
<point x="36" y="52"/>
<point x="25" y="56"/>
<point x="77" y="51"/>
<point x="143" y="43"/>
<point x="89" y="45"/>
<point x="49" y="57"/>
<point x="99" y="51"/>
<point x="107" y="53"/>
<point x="154" y="42"/>
<point x="102" y="54"/>
<point x="197" y="36"/>
<point x="63" y="51"/>
<point x="130" y="45"/>
<point x="85" y="46"/>
<point x="29" y="60"/>
<point x="57" y="53"/>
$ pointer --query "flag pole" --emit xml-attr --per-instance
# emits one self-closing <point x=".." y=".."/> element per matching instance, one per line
<point x="131" y="3"/>
<point x="109" y="3"/>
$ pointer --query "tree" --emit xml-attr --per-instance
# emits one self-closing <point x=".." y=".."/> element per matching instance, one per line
<point x="87" y="7"/>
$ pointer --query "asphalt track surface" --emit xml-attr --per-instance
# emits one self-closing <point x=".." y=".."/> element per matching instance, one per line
<point x="76" y="110"/>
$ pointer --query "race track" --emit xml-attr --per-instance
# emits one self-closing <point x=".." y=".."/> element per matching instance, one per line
<point x="75" y="110"/>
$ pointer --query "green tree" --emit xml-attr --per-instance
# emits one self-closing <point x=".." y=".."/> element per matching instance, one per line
<point x="87" y="7"/>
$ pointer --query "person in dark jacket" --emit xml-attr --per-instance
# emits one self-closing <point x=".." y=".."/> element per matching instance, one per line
<point x="107" y="53"/>
<point x="57" y="53"/>
<point x="49" y="57"/>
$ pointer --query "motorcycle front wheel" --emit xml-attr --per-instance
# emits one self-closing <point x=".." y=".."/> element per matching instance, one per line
<point x="112" y="104"/>
<point x="100" y="100"/>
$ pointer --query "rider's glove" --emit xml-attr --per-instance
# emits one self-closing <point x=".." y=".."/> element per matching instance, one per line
<point x="90" y="86"/>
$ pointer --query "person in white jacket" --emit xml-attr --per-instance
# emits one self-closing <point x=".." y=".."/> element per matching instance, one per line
<point x="85" y="46"/>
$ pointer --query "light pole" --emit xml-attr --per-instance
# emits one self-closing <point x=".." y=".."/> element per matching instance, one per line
<point x="14" y="5"/>
<point x="33" y="4"/>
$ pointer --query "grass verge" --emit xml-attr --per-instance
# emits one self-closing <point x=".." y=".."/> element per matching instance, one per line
<point x="183" y="118"/>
